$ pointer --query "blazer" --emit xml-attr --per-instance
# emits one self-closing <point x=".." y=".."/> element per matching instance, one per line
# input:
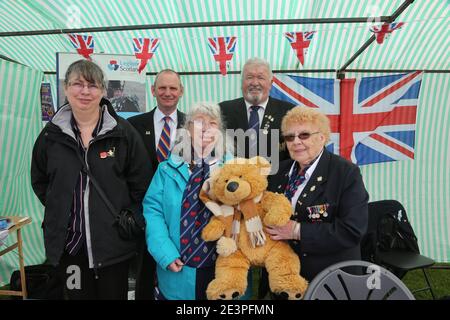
<point x="235" y="117"/>
<point x="143" y="123"/>
<point x="332" y="211"/>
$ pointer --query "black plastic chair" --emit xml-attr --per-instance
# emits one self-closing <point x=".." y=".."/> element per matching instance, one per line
<point x="399" y="258"/>
<point x="374" y="282"/>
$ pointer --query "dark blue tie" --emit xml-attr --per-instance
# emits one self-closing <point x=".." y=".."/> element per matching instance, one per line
<point x="253" y="123"/>
<point x="295" y="180"/>
<point x="195" y="252"/>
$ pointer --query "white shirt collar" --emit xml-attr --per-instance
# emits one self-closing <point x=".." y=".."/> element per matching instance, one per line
<point x="311" y="169"/>
<point x="159" y="116"/>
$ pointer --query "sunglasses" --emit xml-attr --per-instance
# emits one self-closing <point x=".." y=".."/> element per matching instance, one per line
<point x="301" y="136"/>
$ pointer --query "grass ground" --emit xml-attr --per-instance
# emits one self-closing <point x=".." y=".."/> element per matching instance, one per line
<point x="439" y="278"/>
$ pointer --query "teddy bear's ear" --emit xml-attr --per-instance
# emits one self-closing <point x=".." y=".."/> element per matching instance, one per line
<point x="262" y="163"/>
<point x="214" y="173"/>
<point x="206" y="191"/>
<point x="237" y="161"/>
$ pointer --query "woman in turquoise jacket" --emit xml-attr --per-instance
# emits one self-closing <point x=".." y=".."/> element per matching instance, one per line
<point x="181" y="273"/>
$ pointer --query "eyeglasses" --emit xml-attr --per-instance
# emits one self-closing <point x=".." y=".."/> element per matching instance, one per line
<point x="78" y="86"/>
<point x="301" y="136"/>
<point x="205" y="124"/>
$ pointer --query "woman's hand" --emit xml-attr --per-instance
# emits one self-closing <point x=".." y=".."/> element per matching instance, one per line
<point x="176" y="266"/>
<point x="290" y="231"/>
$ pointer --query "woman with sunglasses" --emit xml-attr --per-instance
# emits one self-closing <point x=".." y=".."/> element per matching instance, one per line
<point x="327" y="194"/>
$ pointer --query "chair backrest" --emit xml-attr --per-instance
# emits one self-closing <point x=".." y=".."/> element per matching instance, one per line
<point x="373" y="283"/>
<point x="388" y="229"/>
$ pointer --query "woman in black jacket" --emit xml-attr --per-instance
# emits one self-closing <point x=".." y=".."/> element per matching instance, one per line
<point x="327" y="194"/>
<point x="79" y="232"/>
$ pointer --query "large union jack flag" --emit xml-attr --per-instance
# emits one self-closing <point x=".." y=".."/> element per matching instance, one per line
<point x="83" y="43"/>
<point x="300" y="42"/>
<point x="144" y="49"/>
<point x="222" y="49"/>
<point x="372" y="119"/>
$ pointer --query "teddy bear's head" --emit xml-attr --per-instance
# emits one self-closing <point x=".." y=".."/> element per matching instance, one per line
<point x="240" y="179"/>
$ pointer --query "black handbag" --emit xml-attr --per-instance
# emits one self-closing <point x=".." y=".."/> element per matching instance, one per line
<point x="43" y="282"/>
<point x="127" y="226"/>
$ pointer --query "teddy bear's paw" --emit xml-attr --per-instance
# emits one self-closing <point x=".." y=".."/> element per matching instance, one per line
<point x="226" y="246"/>
<point x="292" y="288"/>
<point x="217" y="291"/>
<point x="286" y="295"/>
<point x="229" y="295"/>
<point x="273" y="219"/>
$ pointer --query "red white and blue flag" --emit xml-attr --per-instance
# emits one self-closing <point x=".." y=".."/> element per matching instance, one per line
<point x="222" y="49"/>
<point x="83" y="43"/>
<point x="300" y="42"/>
<point x="144" y="49"/>
<point x="372" y="119"/>
<point x="382" y="31"/>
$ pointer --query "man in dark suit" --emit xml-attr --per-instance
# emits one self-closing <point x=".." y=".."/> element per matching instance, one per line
<point x="327" y="194"/>
<point x="158" y="130"/>
<point x="256" y="110"/>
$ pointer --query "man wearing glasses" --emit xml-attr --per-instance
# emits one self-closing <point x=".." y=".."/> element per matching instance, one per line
<point x="327" y="194"/>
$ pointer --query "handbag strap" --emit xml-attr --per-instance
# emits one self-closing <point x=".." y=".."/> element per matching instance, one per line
<point x="99" y="189"/>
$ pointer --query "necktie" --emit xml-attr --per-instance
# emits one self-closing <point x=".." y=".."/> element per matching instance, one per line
<point x="195" y="252"/>
<point x="163" y="150"/>
<point x="253" y="124"/>
<point x="296" y="179"/>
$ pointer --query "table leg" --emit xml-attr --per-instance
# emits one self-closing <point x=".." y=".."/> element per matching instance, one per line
<point x="22" y="267"/>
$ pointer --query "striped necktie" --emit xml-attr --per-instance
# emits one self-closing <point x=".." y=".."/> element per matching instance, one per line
<point x="163" y="150"/>
<point x="253" y="124"/>
<point x="195" y="252"/>
<point x="296" y="179"/>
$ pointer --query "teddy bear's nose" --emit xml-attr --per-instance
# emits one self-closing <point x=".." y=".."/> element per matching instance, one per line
<point x="232" y="186"/>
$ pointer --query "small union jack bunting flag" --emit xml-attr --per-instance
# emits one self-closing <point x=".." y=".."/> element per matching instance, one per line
<point x="382" y="31"/>
<point x="300" y="42"/>
<point x="222" y="49"/>
<point x="83" y="43"/>
<point x="144" y="49"/>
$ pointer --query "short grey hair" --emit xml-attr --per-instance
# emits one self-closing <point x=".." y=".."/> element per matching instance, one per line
<point x="167" y="71"/>
<point x="88" y="70"/>
<point x="258" y="62"/>
<point x="211" y="110"/>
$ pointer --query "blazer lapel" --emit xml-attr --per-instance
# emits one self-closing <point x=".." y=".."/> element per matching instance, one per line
<point x="316" y="183"/>
<point x="150" y="132"/>
<point x="268" y="117"/>
<point x="241" y="116"/>
<point x="180" y="119"/>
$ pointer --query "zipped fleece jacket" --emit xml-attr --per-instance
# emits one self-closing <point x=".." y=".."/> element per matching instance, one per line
<point x="117" y="159"/>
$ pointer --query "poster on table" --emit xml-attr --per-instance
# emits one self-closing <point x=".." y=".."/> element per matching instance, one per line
<point x="125" y="87"/>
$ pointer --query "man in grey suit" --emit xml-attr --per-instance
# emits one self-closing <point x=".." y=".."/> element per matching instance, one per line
<point x="167" y="89"/>
<point x="256" y="110"/>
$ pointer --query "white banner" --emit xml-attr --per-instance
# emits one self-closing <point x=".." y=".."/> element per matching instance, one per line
<point x="125" y="86"/>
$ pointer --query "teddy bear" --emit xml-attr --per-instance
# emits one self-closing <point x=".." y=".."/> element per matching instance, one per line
<point x="236" y="195"/>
